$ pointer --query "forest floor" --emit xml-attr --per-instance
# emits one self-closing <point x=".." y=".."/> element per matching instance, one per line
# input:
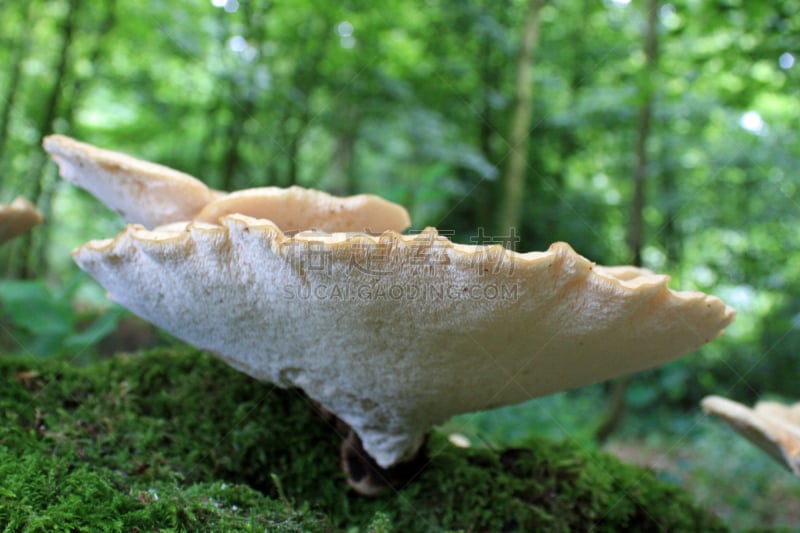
<point x="722" y="471"/>
<point x="173" y="438"/>
<point x="764" y="495"/>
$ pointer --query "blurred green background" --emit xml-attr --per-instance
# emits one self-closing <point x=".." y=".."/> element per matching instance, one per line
<point x="638" y="131"/>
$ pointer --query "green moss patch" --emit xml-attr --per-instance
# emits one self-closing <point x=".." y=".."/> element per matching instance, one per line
<point x="174" y="439"/>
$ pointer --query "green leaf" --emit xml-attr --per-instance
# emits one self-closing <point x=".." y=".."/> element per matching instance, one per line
<point x="31" y="306"/>
<point x="100" y="328"/>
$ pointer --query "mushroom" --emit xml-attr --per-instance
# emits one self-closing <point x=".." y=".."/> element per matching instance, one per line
<point x="392" y="333"/>
<point x="395" y="334"/>
<point x="17" y="218"/>
<point x="772" y="426"/>
<point x="296" y="209"/>
<point x="154" y="195"/>
<point x="139" y="191"/>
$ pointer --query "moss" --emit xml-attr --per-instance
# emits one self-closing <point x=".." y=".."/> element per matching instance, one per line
<point x="174" y="439"/>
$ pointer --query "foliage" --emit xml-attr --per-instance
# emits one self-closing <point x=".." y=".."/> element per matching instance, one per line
<point x="173" y="438"/>
<point x="45" y="322"/>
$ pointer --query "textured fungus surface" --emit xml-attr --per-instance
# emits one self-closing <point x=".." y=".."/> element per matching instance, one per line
<point x="396" y="333"/>
<point x="390" y="333"/>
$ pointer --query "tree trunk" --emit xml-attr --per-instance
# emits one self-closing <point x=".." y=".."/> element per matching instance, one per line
<point x="73" y="97"/>
<point x="342" y="177"/>
<point x="94" y="57"/>
<point x="293" y="148"/>
<point x="617" y="405"/>
<point x="305" y="79"/>
<point x="205" y="149"/>
<point x="21" y="50"/>
<point x="569" y="144"/>
<point x="672" y="237"/>
<point x="255" y="25"/>
<point x="54" y="98"/>
<point x="12" y="255"/>
<point x="489" y="75"/>
<point x="39" y="175"/>
<point x="230" y="161"/>
<point x="642" y="134"/>
<point x="514" y="179"/>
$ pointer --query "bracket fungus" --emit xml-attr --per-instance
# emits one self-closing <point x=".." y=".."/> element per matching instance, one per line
<point x="772" y="426"/>
<point x="18" y="218"/>
<point x="395" y="333"/>
<point x="139" y="191"/>
<point x="154" y="195"/>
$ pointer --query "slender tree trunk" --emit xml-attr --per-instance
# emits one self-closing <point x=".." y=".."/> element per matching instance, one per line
<point x="13" y="255"/>
<point x="205" y="150"/>
<point x="671" y="235"/>
<point x="230" y="161"/>
<point x="73" y="97"/>
<point x="216" y="125"/>
<point x="255" y="26"/>
<point x="617" y="405"/>
<point x="305" y="78"/>
<point x="39" y="175"/>
<point x="514" y="179"/>
<point x="567" y="136"/>
<point x="243" y="104"/>
<point x="485" y="126"/>
<point x="292" y="153"/>
<point x="342" y="177"/>
<point x="95" y="59"/>
<point x="55" y="96"/>
<point x="486" y="130"/>
<point x="643" y="134"/>
<point x="293" y="148"/>
<point x="20" y="51"/>
<point x="275" y="172"/>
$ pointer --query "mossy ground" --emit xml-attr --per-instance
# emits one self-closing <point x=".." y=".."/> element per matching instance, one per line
<point x="172" y="439"/>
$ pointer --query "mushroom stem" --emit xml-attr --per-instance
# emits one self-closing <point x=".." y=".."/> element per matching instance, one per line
<point x="368" y="478"/>
<point x="365" y="475"/>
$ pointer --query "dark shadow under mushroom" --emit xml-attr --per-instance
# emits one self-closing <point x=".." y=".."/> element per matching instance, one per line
<point x="370" y="479"/>
<point x="365" y="475"/>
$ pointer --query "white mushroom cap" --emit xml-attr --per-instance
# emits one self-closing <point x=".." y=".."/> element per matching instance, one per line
<point x="773" y="427"/>
<point x="296" y="209"/>
<point x="139" y="191"/>
<point x="395" y="334"/>
<point x="18" y="218"/>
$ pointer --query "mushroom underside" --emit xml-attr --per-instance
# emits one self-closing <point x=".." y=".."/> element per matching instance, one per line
<point x="397" y="333"/>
